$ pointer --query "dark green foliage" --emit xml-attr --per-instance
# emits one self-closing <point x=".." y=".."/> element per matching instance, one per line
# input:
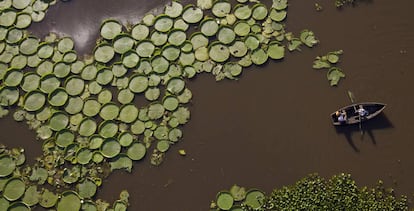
<point x="338" y="193"/>
<point x="341" y="3"/>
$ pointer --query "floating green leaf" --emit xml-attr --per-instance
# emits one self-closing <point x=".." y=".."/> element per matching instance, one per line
<point x="224" y="200"/>
<point x="14" y="189"/>
<point x="69" y="201"/>
<point x="334" y="75"/>
<point x="121" y="162"/>
<point x="110" y="148"/>
<point x="87" y="189"/>
<point x="7" y="165"/>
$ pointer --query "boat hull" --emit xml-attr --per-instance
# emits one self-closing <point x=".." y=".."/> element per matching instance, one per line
<point x="353" y="117"/>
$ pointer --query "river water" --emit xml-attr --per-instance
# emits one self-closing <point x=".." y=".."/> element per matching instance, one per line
<point x="272" y="127"/>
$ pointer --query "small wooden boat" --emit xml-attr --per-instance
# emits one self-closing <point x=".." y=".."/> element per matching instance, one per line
<point x="352" y="116"/>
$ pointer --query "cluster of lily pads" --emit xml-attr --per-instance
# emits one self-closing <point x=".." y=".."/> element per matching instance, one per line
<point x="329" y="61"/>
<point x="85" y="110"/>
<point x="312" y="193"/>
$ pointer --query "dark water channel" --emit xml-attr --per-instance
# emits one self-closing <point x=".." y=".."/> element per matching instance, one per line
<point x="272" y="127"/>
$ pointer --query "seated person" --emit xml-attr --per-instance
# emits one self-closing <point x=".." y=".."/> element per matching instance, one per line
<point x="362" y="112"/>
<point x="341" y="116"/>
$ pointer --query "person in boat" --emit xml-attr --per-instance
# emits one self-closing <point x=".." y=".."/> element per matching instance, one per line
<point x="362" y="112"/>
<point x="341" y="116"/>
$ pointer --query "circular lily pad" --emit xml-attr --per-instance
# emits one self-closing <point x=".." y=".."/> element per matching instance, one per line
<point x="14" y="189"/>
<point x="226" y="35"/>
<point x="138" y="84"/>
<point x="87" y="127"/>
<point x="108" y="129"/>
<point x="163" y="23"/>
<point x="170" y="103"/>
<point x="34" y="101"/>
<point x="13" y="77"/>
<point x="30" y="81"/>
<point x="242" y="12"/>
<point x="8" y="96"/>
<point x="163" y="146"/>
<point x="259" y="56"/>
<point x="238" y="49"/>
<point x="89" y="72"/>
<point x="48" y="199"/>
<point x="138" y="127"/>
<point x="259" y="12"/>
<point x="7" y="165"/>
<point x="155" y="111"/>
<point x="276" y="51"/>
<point x="58" y="97"/>
<point x="104" y="76"/>
<point x="104" y="53"/>
<point x="177" y="37"/>
<point x="254" y="198"/>
<point x="224" y="200"/>
<point x="130" y="59"/>
<point x="65" y="138"/>
<point x="87" y="189"/>
<point x="128" y="113"/>
<point x="192" y="14"/>
<point x="109" y="111"/>
<point x="170" y="52"/>
<point x="252" y="42"/>
<point x="159" y="64"/>
<point x="242" y="28"/>
<point x="145" y="48"/>
<point x="125" y="139"/>
<point x="31" y="196"/>
<point x="110" y="29"/>
<point x="29" y="45"/>
<point x="69" y="201"/>
<point x="61" y="69"/>
<point x="198" y="40"/>
<point x="65" y="44"/>
<point x="110" y="148"/>
<point x="277" y="16"/>
<point x="91" y="107"/>
<point x="125" y="96"/>
<point x="221" y="8"/>
<point x="159" y="38"/>
<point x="84" y="156"/>
<point x="180" y="24"/>
<point x="140" y="32"/>
<point x="58" y="121"/>
<point x="175" y="85"/>
<point x="174" y="10"/>
<point x="48" y="83"/>
<point x="209" y="27"/>
<point x="136" y="151"/>
<point x="70" y="57"/>
<point x="175" y="134"/>
<point x="219" y="52"/>
<point x="123" y="43"/>
<point x="45" y="51"/>
<point x="95" y="141"/>
<point x="74" y="105"/>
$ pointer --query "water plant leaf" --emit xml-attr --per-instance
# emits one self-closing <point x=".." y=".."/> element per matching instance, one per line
<point x="334" y="75"/>
<point x="221" y="8"/>
<point x="138" y="127"/>
<point x="29" y="45"/>
<point x="58" y="97"/>
<point x="163" y="146"/>
<point x="87" y="189"/>
<point x="48" y="199"/>
<point x="69" y="201"/>
<point x="175" y="86"/>
<point x="64" y="138"/>
<point x="109" y="111"/>
<point x="259" y="11"/>
<point x="182" y="114"/>
<point x="159" y="38"/>
<point x="254" y="198"/>
<point x="104" y="53"/>
<point x="163" y="23"/>
<point x="242" y="12"/>
<point x="209" y="27"/>
<point x="58" y="121"/>
<point x="9" y="96"/>
<point x="83" y="156"/>
<point x="34" y="101"/>
<point x="226" y="35"/>
<point x="87" y="127"/>
<point x="140" y="32"/>
<point x="65" y="44"/>
<point x="238" y="193"/>
<point x="205" y="4"/>
<point x="7" y="165"/>
<point x="170" y="52"/>
<point x="259" y="56"/>
<point x="31" y="196"/>
<point x="238" y="49"/>
<point x="192" y="14"/>
<point x="14" y="189"/>
<point x="110" y="148"/>
<point x="110" y="29"/>
<point x="123" y="43"/>
<point x="125" y="96"/>
<point x="177" y="37"/>
<point x="276" y="51"/>
<point x="155" y="111"/>
<point x="138" y="84"/>
<point x="219" y="52"/>
<point x="175" y="134"/>
<point x="74" y="105"/>
<point x="145" y="48"/>
<point x="174" y="9"/>
<point x="121" y="162"/>
<point x="128" y="113"/>
<point x="308" y="38"/>
<point x="224" y="200"/>
<point x="108" y="129"/>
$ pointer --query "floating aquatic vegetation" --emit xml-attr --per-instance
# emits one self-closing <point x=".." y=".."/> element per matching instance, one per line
<point x="309" y="193"/>
<point x="329" y="61"/>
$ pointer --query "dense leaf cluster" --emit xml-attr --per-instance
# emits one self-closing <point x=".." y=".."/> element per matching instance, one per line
<point x="338" y="193"/>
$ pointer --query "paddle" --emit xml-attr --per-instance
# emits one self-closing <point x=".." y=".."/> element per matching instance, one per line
<point x="352" y="98"/>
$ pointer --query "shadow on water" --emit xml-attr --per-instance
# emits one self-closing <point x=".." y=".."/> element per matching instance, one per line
<point x="366" y="129"/>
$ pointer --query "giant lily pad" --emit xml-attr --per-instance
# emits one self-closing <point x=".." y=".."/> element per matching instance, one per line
<point x="159" y="64"/>
<point x="48" y="199"/>
<point x="7" y="165"/>
<point x="140" y="32"/>
<point x="177" y="37"/>
<point x="221" y="8"/>
<point x="64" y="138"/>
<point x="192" y="14"/>
<point x="34" y="101"/>
<point x="174" y="10"/>
<point x="87" y="127"/>
<point x="31" y="196"/>
<point x="334" y="75"/>
<point x="84" y="155"/>
<point x="58" y="97"/>
<point x="175" y="85"/>
<point x="145" y="48"/>
<point x="109" y="111"/>
<point x="128" y="113"/>
<point x="130" y="59"/>
<point x="163" y="23"/>
<point x="49" y="83"/>
<point x="276" y="51"/>
<point x="29" y="46"/>
<point x="123" y="43"/>
<point x="226" y="35"/>
<point x="104" y="53"/>
<point x="9" y="96"/>
<point x="58" y="121"/>
<point x="13" y="77"/>
<point x="125" y="139"/>
<point x="155" y="111"/>
<point x="224" y="200"/>
<point x="136" y="151"/>
<point x="254" y="198"/>
<point x="91" y="107"/>
<point x="108" y="129"/>
<point x="110" y="148"/>
<point x="14" y="189"/>
<point x="65" y="44"/>
<point x="87" y="189"/>
<point x="18" y="206"/>
<point x="259" y="56"/>
<point x="209" y="27"/>
<point x="69" y="201"/>
<point x="110" y="29"/>
<point x="219" y="52"/>
<point x="259" y="12"/>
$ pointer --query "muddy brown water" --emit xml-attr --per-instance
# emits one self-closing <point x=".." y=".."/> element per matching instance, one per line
<point x="271" y="127"/>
